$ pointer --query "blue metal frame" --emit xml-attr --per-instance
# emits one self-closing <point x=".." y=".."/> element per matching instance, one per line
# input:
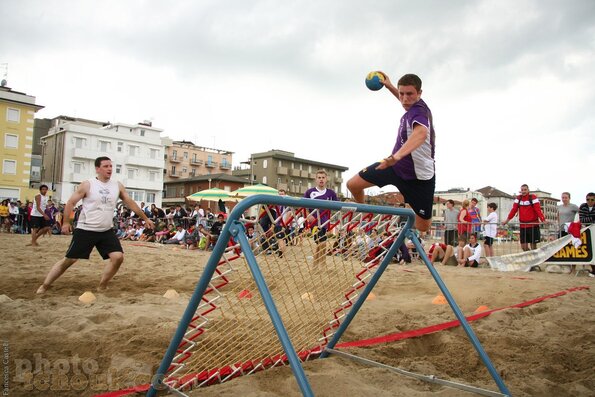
<point x="234" y="228"/>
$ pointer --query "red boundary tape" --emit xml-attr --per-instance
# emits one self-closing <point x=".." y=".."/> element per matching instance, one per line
<point x="393" y="337"/>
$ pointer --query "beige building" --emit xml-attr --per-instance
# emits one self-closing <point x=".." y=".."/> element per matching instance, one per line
<point x="184" y="159"/>
<point x="282" y="170"/>
<point x="17" y="114"/>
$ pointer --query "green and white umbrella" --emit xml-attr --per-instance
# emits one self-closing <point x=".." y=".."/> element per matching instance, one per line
<point x="213" y="194"/>
<point x="254" y="189"/>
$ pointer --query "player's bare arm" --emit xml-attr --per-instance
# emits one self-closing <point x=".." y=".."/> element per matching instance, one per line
<point x="417" y="138"/>
<point x="77" y="196"/>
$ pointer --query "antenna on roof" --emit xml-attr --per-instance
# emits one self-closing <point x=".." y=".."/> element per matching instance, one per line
<point x="4" y="66"/>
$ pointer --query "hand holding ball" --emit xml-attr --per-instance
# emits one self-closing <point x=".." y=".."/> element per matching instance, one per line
<point x="375" y="81"/>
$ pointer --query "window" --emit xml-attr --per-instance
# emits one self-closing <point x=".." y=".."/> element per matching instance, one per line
<point x="185" y="155"/>
<point x="265" y="163"/>
<point x="264" y="179"/>
<point x="301" y="166"/>
<point x="13" y="115"/>
<point x="310" y="169"/>
<point x="77" y="167"/>
<point x="150" y="197"/>
<point x="174" y="155"/>
<point x="280" y="163"/>
<point x="136" y="195"/>
<point x="193" y="172"/>
<point x="142" y="132"/>
<point x="103" y="146"/>
<point x="132" y="173"/>
<point x="173" y="170"/>
<point x="292" y="166"/>
<point x="194" y="157"/>
<point x="79" y="143"/>
<point x="154" y="153"/>
<point x="224" y="162"/>
<point x="132" y="150"/>
<point x="120" y="146"/>
<point x="35" y="171"/>
<point x="11" y="141"/>
<point x="184" y="170"/>
<point x="210" y="160"/>
<point x="118" y="168"/>
<point x="9" y="167"/>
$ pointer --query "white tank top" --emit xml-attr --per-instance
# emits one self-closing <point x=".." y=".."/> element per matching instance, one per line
<point x="42" y="203"/>
<point x="97" y="213"/>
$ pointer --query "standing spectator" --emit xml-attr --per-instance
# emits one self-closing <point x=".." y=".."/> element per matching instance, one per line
<point x="320" y="192"/>
<point x="179" y="215"/>
<point x="4" y="216"/>
<point x="529" y="209"/>
<point x="450" y="223"/>
<point x="22" y="219"/>
<point x="566" y="213"/>
<point x="586" y="213"/>
<point x="216" y="230"/>
<point x="475" y="216"/>
<point x="491" y="228"/>
<point x="464" y="220"/>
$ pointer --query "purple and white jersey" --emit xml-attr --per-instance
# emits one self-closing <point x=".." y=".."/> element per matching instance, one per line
<point x="419" y="164"/>
<point x="326" y="194"/>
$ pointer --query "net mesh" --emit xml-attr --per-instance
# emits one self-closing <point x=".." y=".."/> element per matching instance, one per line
<point x="315" y="263"/>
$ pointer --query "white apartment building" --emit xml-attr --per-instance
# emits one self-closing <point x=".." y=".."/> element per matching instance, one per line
<point x="72" y="145"/>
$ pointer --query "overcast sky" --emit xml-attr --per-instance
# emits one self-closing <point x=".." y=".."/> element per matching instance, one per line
<point x="511" y="83"/>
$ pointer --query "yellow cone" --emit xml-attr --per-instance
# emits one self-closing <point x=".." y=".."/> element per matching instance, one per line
<point x="307" y="296"/>
<point x="439" y="300"/>
<point x="87" y="297"/>
<point x="171" y="294"/>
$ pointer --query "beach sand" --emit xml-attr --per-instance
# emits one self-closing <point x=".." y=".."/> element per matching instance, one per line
<point x="54" y="345"/>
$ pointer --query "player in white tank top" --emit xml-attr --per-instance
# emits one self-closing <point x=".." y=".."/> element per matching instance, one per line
<point x="99" y="197"/>
<point x="39" y="220"/>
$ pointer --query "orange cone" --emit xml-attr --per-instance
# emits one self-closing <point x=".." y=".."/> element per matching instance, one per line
<point x="481" y="308"/>
<point x="439" y="300"/>
<point x="245" y="294"/>
<point x="371" y="296"/>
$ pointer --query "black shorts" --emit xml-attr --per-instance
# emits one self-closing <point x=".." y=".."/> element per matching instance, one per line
<point x="83" y="242"/>
<point x="417" y="193"/>
<point x="530" y="235"/>
<point x="320" y="236"/>
<point x="39" y="222"/>
<point x="488" y="241"/>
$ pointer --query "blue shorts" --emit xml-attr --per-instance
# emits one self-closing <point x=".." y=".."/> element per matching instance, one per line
<point x="418" y="194"/>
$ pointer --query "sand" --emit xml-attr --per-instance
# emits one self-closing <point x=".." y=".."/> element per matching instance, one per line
<point x="57" y="345"/>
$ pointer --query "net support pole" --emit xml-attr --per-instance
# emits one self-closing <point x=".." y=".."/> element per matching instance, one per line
<point x="237" y="230"/>
<point x="201" y="286"/>
<point x="459" y="315"/>
<point x="368" y="288"/>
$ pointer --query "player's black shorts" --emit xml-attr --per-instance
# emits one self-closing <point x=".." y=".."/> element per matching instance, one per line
<point x="39" y="222"/>
<point x="530" y="235"/>
<point x="418" y="194"/>
<point x="320" y="236"/>
<point x="83" y="242"/>
<point x="489" y="241"/>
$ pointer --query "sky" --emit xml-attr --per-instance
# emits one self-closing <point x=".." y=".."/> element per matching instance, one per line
<point x="511" y="84"/>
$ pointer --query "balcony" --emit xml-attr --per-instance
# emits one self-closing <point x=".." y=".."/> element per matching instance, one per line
<point x="304" y="174"/>
<point x="176" y="174"/>
<point x="77" y="177"/>
<point x="339" y="180"/>
<point x="211" y="164"/>
<point x="196" y="162"/>
<point x="141" y="184"/>
<point x="311" y="176"/>
<point x="175" y="159"/>
<point x="281" y="170"/>
<point x="282" y="186"/>
<point x="295" y="173"/>
<point x="78" y="153"/>
<point x="145" y="162"/>
<point x="225" y="166"/>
